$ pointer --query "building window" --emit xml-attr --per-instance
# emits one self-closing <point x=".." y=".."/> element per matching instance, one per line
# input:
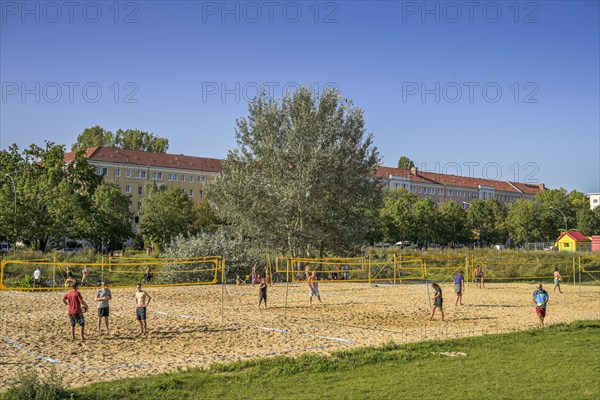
<point x="198" y="179"/>
<point x="182" y="191"/>
<point x="117" y="172"/>
<point x="172" y="177"/>
<point x="191" y="179"/>
<point x="157" y="176"/>
<point x="137" y="219"/>
<point x="117" y="186"/>
<point x="203" y="179"/>
<point x="139" y="205"/>
<point x="565" y="244"/>
<point x="182" y="178"/>
<point x="200" y="193"/>
<point x="127" y="189"/>
<point x="140" y="174"/>
<point x="191" y="192"/>
<point x="101" y="171"/>
<point x="128" y="173"/>
<point x="140" y="190"/>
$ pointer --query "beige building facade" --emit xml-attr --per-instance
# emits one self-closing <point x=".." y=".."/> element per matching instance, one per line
<point x="132" y="170"/>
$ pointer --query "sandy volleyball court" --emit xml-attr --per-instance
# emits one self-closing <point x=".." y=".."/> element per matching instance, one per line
<point x="186" y="328"/>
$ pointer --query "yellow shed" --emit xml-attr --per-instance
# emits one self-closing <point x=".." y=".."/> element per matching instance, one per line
<point x="573" y="241"/>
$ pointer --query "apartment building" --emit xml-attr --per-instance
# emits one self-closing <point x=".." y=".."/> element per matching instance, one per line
<point x="131" y="170"/>
<point x="461" y="189"/>
<point x="594" y="200"/>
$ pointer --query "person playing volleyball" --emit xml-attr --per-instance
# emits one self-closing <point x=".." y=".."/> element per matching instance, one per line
<point x="313" y="287"/>
<point x="85" y="273"/>
<point x="478" y="272"/>
<point x="103" y="296"/>
<point x="459" y="287"/>
<point x="557" y="280"/>
<point x="262" y="292"/>
<point x="75" y="302"/>
<point x="142" y="299"/>
<point x="438" y="301"/>
<point x="540" y="298"/>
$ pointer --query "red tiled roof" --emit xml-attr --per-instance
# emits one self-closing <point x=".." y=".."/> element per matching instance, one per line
<point x="460" y="181"/>
<point x="145" y="158"/>
<point x="575" y="235"/>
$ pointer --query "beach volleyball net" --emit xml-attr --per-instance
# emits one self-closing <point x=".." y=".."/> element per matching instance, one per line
<point x="116" y="271"/>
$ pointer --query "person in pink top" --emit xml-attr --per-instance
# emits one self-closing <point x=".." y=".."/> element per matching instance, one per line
<point x="75" y="302"/>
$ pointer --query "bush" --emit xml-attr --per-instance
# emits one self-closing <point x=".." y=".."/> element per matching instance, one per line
<point x="240" y="255"/>
<point x="24" y="282"/>
<point x="30" y="386"/>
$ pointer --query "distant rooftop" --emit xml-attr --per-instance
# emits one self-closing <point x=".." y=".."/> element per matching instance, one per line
<point x="150" y="159"/>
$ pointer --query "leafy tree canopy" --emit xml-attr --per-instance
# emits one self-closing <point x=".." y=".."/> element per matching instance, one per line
<point x="301" y="177"/>
<point x="130" y="139"/>
<point x="405" y="163"/>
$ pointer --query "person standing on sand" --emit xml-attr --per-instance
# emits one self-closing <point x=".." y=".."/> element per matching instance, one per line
<point x="459" y="287"/>
<point x="540" y="298"/>
<point x="262" y="292"/>
<point x="478" y="272"/>
<point x="74" y="300"/>
<point x="438" y="300"/>
<point x="103" y="296"/>
<point x="253" y="277"/>
<point x="70" y="279"/>
<point x="313" y="287"/>
<point x="142" y="299"/>
<point x="37" y="277"/>
<point x="557" y="280"/>
<point x="85" y="272"/>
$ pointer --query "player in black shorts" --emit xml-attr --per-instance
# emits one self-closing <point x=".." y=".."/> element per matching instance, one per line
<point x="262" y="292"/>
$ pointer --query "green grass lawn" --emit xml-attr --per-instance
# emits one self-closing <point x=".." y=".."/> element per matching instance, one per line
<point x="560" y="362"/>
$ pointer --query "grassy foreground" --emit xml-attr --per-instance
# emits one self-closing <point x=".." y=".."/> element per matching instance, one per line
<point x="562" y="361"/>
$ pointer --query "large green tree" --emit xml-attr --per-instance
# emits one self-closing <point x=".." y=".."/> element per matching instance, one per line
<point x="130" y="139"/>
<point x="523" y="222"/>
<point x="57" y="200"/>
<point x="588" y="221"/>
<point x="301" y="177"/>
<point x="405" y="163"/>
<point x="206" y="219"/>
<point x="110" y="216"/>
<point x="453" y="226"/>
<point x="425" y="220"/>
<point x="395" y="216"/>
<point x="486" y="219"/>
<point x="165" y="214"/>
<point x="558" y="211"/>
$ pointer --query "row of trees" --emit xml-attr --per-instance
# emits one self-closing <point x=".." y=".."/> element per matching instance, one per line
<point x="406" y="217"/>
<point x="41" y="198"/>
<point x="130" y="139"/>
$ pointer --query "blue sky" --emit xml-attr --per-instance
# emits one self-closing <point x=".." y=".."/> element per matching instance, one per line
<point x="501" y="90"/>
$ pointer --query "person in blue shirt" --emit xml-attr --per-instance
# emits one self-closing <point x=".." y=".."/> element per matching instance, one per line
<point x="540" y="298"/>
<point x="459" y="287"/>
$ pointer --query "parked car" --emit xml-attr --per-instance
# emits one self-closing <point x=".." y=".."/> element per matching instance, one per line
<point x="5" y="248"/>
<point x="406" y="244"/>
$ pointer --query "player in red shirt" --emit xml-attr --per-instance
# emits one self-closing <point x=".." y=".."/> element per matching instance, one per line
<point x="74" y="300"/>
